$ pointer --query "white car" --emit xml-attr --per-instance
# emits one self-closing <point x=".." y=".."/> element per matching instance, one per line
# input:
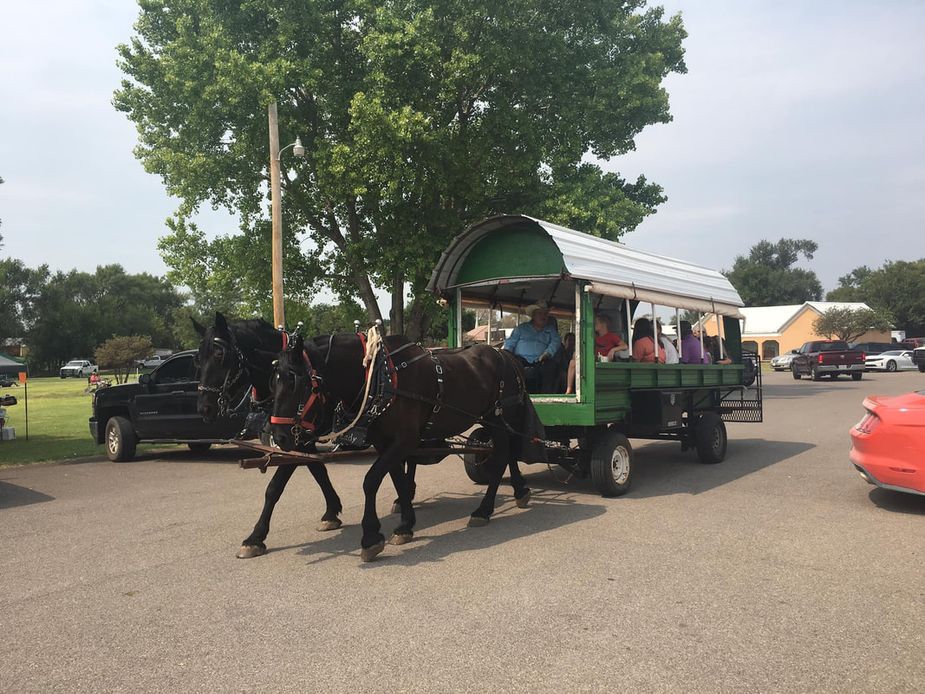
<point x="78" y="368"/>
<point x="152" y="362"/>
<point x="782" y="361"/>
<point x="894" y="360"/>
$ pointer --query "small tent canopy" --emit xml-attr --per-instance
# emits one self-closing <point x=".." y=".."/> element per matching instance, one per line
<point x="8" y="365"/>
<point x="515" y="248"/>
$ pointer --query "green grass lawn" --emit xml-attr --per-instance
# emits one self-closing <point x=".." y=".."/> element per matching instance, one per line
<point x="59" y="412"/>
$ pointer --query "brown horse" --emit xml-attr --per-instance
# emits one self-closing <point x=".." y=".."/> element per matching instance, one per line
<point x="432" y="397"/>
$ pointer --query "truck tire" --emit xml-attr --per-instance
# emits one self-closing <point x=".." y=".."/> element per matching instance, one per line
<point x="199" y="447"/>
<point x="796" y="372"/>
<point x="814" y="373"/>
<point x="120" y="439"/>
<point x="710" y="438"/>
<point x="474" y="462"/>
<point x="856" y="376"/>
<point x="611" y="463"/>
<point x="922" y="367"/>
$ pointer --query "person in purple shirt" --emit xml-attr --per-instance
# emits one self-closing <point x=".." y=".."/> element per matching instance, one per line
<point x="691" y="352"/>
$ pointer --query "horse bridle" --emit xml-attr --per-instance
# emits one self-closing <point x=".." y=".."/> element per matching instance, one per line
<point x="229" y="382"/>
<point x="313" y="383"/>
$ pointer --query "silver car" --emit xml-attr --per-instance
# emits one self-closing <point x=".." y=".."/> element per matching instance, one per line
<point x="782" y="361"/>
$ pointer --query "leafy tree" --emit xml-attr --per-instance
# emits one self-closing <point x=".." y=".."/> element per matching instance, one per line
<point x="767" y="276"/>
<point x="121" y="353"/>
<point x="896" y="289"/>
<point x="849" y="286"/>
<point x="320" y="319"/>
<point x="417" y="116"/>
<point x="76" y="311"/>
<point x="19" y="286"/>
<point x="849" y="324"/>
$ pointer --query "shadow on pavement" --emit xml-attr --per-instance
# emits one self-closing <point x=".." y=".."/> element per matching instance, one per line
<point x="898" y="502"/>
<point x="12" y="495"/>
<point x="548" y="510"/>
<point x="662" y="469"/>
<point x="799" y="390"/>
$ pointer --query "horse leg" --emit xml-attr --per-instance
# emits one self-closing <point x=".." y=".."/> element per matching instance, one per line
<point x="411" y="469"/>
<point x="330" y="520"/>
<point x="496" y="465"/>
<point x="404" y="485"/>
<point x="253" y="545"/>
<point x="521" y="490"/>
<point x="373" y="541"/>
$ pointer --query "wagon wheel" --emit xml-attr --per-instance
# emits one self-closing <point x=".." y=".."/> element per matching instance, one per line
<point x="710" y="438"/>
<point x="612" y="463"/>
<point x="475" y="462"/>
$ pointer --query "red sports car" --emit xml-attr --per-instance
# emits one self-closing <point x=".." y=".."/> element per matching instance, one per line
<point x="888" y="444"/>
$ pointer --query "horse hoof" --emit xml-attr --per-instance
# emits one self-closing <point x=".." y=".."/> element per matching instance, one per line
<point x="477" y="522"/>
<point x="524" y="501"/>
<point x="370" y="553"/>
<point x="251" y="551"/>
<point x="400" y="539"/>
<point x="329" y="524"/>
<point x="396" y="507"/>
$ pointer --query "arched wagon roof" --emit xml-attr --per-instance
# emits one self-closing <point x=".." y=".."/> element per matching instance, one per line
<point x="511" y="247"/>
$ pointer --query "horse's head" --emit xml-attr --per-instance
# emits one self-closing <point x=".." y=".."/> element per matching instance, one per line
<point x="292" y="386"/>
<point x="221" y="368"/>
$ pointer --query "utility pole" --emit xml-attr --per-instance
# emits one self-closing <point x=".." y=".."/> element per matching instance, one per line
<point x="279" y="315"/>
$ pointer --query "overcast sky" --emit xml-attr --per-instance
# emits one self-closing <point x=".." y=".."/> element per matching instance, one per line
<point x="800" y="119"/>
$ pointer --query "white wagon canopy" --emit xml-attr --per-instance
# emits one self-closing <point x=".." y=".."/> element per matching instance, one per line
<point x="511" y="260"/>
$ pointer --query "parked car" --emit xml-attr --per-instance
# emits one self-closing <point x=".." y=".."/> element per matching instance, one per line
<point x="874" y="347"/>
<point x="7" y="381"/>
<point x="887" y="444"/>
<point x="918" y="358"/>
<point x="160" y="407"/>
<point x="894" y="360"/>
<point x="782" y="361"/>
<point x="78" y="368"/>
<point x="152" y="362"/>
<point x="830" y="358"/>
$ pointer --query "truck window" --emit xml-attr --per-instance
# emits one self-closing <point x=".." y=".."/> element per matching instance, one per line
<point x="834" y="346"/>
<point x="178" y="370"/>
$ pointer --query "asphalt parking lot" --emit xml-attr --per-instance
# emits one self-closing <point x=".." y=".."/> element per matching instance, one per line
<point x="778" y="570"/>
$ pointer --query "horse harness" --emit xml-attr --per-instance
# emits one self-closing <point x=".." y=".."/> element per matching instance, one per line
<point x="384" y="391"/>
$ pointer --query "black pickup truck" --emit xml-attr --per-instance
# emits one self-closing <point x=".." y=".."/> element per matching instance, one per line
<point x="161" y="408"/>
<point x="918" y="358"/>
<point x="827" y="358"/>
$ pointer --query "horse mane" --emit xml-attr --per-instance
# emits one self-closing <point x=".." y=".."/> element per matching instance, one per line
<point x="253" y="333"/>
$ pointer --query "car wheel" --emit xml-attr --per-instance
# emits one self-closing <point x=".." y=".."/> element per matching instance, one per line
<point x="710" y="438"/>
<point x="120" y="439"/>
<point x="891" y="365"/>
<point x="612" y="463"/>
<point x="814" y="373"/>
<point x="474" y="463"/>
<point x="795" y="372"/>
<point x="856" y="376"/>
<point x="199" y="447"/>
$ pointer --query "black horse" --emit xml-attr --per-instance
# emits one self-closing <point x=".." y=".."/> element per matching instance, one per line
<point x="436" y="397"/>
<point x="232" y="356"/>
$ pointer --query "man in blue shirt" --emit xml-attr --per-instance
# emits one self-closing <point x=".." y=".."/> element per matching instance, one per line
<point x="535" y="343"/>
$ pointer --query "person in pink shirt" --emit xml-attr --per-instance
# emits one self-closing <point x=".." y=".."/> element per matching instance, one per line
<point x="644" y="343"/>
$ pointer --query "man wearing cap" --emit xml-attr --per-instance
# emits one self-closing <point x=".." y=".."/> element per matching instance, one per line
<point x="535" y="343"/>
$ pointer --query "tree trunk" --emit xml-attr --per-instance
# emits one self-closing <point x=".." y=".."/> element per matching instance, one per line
<point x="368" y="296"/>
<point x="418" y="321"/>
<point x="397" y="314"/>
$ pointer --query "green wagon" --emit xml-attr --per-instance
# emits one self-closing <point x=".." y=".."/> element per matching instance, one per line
<point x="503" y="264"/>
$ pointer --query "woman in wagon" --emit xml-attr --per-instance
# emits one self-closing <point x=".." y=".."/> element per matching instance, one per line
<point x="606" y="345"/>
<point x="644" y="343"/>
<point x="665" y="343"/>
<point x="535" y="343"/>
<point x="691" y="352"/>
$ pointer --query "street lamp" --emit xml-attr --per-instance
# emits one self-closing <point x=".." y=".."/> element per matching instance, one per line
<point x="279" y="315"/>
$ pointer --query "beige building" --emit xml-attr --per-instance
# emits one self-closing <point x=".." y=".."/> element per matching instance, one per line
<point x="773" y="330"/>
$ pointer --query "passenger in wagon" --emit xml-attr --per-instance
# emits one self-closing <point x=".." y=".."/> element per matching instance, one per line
<point x="606" y="344"/>
<point x="671" y="354"/>
<point x="535" y="343"/>
<point x="690" y="346"/>
<point x="712" y="344"/>
<point x="644" y="343"/>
